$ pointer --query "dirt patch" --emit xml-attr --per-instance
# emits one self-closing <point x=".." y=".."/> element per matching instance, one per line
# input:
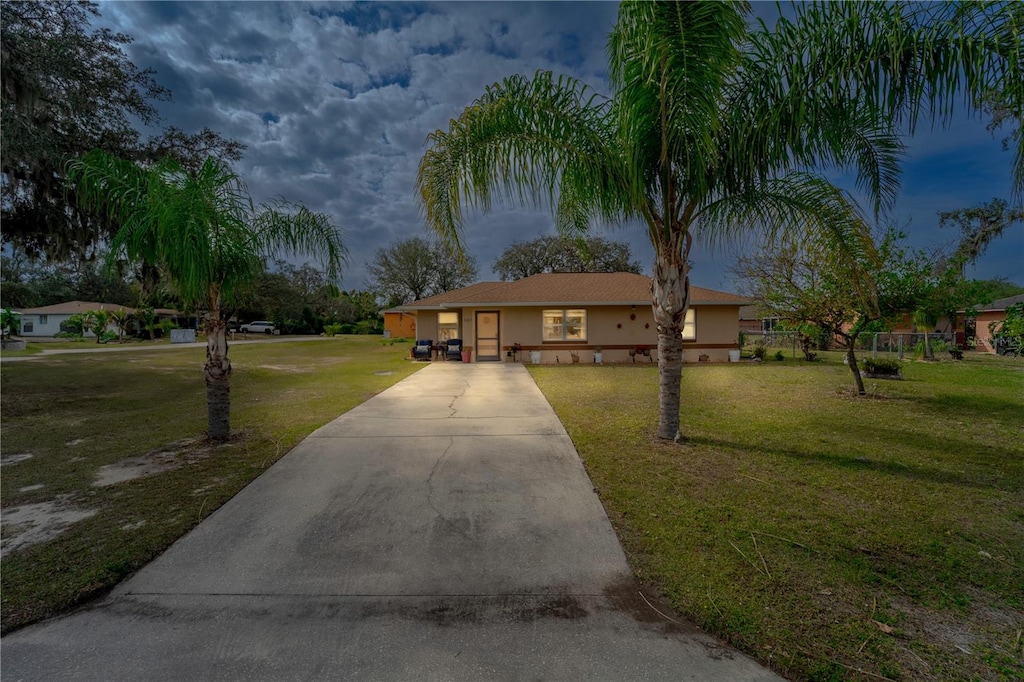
<point x="646" y="604"/>
<point x="31" y="524"/>
<point x="167" y="458"/>
<point x="14" y="459"/>
<point x="966" y="638"/>
<point x="293" y="369"/>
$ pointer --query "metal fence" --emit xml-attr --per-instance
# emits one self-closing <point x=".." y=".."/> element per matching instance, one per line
<point x="885" y="343"/>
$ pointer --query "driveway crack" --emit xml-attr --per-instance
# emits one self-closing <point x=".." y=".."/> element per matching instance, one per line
<point x="449" y="523"/>
<point x="451" y="405"/>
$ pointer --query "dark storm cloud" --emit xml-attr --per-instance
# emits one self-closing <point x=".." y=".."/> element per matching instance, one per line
<point x="335" y="102"/>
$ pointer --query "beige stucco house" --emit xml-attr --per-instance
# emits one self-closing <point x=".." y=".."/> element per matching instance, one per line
<point x="553" y="316"/>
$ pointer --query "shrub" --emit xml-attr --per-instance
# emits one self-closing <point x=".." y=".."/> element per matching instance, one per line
<point x="332" y="329"/>
<point x="937" y="346"/>
<point x="10" y="323"/>
<point x="760" y="350"/>
<point x="368" y="327"/>
<point x="882" y="366"/>
<point x="1008" y="335"/>
<point x="73" y="326"/>
<point x="779" y="356"/>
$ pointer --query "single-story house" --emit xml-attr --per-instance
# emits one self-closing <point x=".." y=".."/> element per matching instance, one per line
<point x="559" y="315"/>
<point x="399" y="324"/>
<point x="751" y="321"/>
<point x="986" y="315"/>
<point x="47" y="320"/>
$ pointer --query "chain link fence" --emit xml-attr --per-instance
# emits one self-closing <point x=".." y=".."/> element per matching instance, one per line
<point x="887" y="344"/>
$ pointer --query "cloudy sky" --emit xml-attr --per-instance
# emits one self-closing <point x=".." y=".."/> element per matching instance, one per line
<point x="335" y="102"/>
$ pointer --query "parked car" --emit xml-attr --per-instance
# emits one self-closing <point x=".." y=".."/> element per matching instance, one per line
<point x="257" y="327"/>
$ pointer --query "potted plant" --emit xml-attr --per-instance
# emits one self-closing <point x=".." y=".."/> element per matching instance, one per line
<point x="467" y="353"/>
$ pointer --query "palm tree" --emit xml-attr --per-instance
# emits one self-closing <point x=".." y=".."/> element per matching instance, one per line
<point x="715" y="128"/>
<point x="203" y="230"/>
<point x="120" y="317"/>
<point x="925" y="319"/>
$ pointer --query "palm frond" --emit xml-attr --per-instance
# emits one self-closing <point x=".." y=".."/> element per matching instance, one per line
<point x="670" y="63"/>
<point x="283" y="228"/>
<point x="799" y="208"/>
<point x="523" y="142"/>
<point x="906" y="61"/>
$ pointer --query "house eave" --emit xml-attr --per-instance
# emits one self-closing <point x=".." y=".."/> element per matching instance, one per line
<point x="540" y="304"/>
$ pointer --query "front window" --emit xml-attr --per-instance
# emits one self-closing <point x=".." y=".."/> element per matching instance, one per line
<point x="26" y="327"/>
<point x="43" y="319"/>
<point x="768" y="324"/>
<point x="565" y="325"/>
<point x="447" y="326"/>
<point x="690" y="326"/>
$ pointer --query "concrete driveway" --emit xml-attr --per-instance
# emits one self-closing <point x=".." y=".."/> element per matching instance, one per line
<point x="443" y="530"/>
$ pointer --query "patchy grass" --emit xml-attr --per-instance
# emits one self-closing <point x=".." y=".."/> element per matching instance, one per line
<point x="832" y="537"/>
<point x="135" y="421"/>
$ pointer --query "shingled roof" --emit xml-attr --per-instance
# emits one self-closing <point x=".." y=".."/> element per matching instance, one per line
<point x="73" y="308"/>
<point x="565" y="288"/>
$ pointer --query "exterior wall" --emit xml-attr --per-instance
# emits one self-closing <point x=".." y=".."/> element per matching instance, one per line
<point x="426" y="325"/>
<point x="982" y="336"/>
<point x="606" y="326"/>
<point x="50" y="328"/>
<point x="614" y="329"/>
<point x="400" y="325"/>
<point x="717" y="326"/>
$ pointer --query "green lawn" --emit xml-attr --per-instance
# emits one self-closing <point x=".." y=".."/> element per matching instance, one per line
<point x="77" y="413"/>
<point x="832" y="537"/>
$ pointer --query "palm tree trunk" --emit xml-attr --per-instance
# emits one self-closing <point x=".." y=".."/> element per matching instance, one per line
<point x="217" y="373"/>
<point x="671" y="298"/>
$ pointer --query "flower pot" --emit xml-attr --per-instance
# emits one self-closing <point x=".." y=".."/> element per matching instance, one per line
<point x="597" y="358"/>
<point x="535" y="357"/>
<point x="467" y="355"/>
<point x="734" y="356"/>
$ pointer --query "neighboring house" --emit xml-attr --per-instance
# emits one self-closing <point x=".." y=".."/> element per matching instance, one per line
<point x="399" y="324"/>
<point x="752" y="323"/>
<point x="46" y="321"/>
<point x="986" y="315"/>
<point x="560" y="314"/>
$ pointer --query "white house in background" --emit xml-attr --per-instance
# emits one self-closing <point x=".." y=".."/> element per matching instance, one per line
<point x="46" y="321"/>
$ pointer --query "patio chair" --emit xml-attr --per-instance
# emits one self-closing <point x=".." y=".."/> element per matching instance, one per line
<point x="422" y="349"/>
<point x="453" y="349"/>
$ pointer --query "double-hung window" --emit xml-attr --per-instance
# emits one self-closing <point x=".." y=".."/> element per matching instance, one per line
<point x="565" y="325"/>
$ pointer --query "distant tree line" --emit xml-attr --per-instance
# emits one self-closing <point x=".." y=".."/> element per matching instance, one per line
<point x="557" y="253"/>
